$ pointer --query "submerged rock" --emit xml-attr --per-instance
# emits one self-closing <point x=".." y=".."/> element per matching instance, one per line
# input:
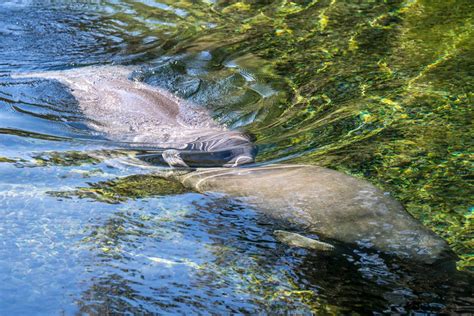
<point x="121" y="189"/>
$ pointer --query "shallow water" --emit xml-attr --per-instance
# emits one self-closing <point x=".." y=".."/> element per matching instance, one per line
<point x="84" y="230"/>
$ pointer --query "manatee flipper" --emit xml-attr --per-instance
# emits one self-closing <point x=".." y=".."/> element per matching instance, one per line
<point x="297" y="240"/>
<point x="173" y="158"/>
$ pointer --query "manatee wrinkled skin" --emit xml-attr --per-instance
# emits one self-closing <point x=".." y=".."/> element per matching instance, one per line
<point x="327" y="203"/>
<point x="133" y="112"/>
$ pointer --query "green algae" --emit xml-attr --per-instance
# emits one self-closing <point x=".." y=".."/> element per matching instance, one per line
<point x="277" y="287"/>
<point x="399" y="118"/>
<point x="109" y="238"/>
<point x="75" y="158"/>
<point x="121" y="189"/>
<point x="6" y="160"/>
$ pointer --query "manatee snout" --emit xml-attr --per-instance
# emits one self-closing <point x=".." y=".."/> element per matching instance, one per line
<point x="225" y="149"/>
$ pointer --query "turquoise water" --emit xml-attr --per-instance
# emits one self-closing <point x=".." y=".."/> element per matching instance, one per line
<point x="77" y="237"/>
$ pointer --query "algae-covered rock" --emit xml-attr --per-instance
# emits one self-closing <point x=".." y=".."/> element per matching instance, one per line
<point x="122" y="189"/>
<point x="76" y="158"/>
<point x="4" y="159"/>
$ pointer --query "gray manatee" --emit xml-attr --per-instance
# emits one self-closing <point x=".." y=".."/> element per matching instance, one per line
<point x="144" y="116"/>
<point x="325" y="202"/>
<point x="313" y="199"/>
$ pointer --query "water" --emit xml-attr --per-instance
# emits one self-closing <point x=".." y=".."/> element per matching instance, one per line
<point x="83" y="231"/>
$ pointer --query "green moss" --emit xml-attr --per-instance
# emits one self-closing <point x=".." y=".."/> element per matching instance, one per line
<point x="75" y="158"/>
<point x="4" y="159"/>
<point x="71" y="158"/>
<point x="122" y="189"/>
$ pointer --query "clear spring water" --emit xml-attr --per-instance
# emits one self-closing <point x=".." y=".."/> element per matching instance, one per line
<point x="83" y="232"/>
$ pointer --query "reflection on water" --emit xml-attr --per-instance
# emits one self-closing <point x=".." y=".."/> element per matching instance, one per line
<point x="330" y="82"/>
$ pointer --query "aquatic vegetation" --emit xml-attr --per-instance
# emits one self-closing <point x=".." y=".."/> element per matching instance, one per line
<point x="5" y="159"/>
<point x="122" y="189"/>
<point x="76" y="158"/>
<point x="70" y="158"/>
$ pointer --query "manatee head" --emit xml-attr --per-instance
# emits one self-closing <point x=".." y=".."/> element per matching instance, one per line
<point x="221" y="149"/>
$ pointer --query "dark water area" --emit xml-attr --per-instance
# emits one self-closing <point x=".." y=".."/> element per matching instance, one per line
<point x="381" y="90"/>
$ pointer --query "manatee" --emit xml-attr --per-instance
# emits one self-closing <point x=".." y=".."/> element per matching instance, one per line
<point x="143" y="116"/>
<point x="312" y="199"/>
<point x="326" y="203"/>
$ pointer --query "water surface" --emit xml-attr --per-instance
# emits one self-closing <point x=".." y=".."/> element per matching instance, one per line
<point x="376" y="89"/>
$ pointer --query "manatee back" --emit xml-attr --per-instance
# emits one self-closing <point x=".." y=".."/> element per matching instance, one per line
<point x="328" y="203"/>
<point x="138" y="116"/>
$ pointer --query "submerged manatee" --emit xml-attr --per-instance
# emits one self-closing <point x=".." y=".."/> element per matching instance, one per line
<point x="328" y="203"/>
<point x="316" y="200"/>
<point x="136" y="113"/>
